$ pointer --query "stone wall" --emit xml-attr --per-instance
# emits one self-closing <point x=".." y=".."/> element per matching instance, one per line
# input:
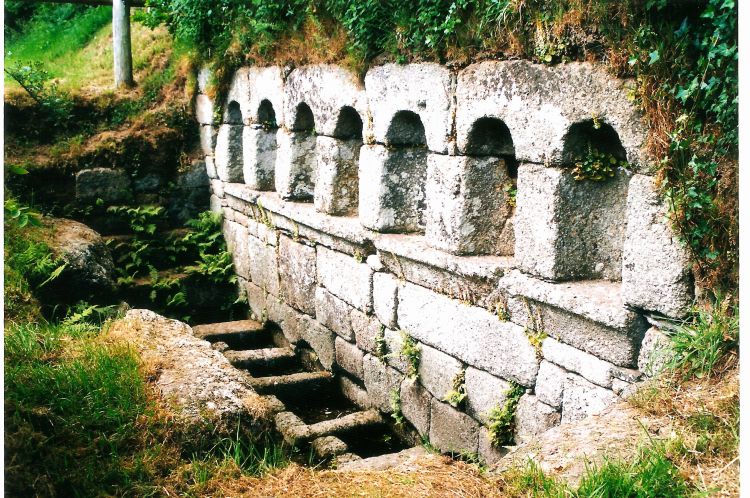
<point x="358" y="212"/>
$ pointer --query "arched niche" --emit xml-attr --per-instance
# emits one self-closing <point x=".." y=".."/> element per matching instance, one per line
<point x="591" y="133"/>
<point x="392" y="178"/>
<point x="337" y="174"/>
<point x="234" y="113"/>
<point x="406" y="130"/>
<point x="471" y="197"/>
<point x="260" y="149"/>
<point x="296" y="157"/>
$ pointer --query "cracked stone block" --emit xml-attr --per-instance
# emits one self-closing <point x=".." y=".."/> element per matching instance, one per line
<point x="467" y="208"/>
<point x="655" y="352"/>
<point x="259" y="162"/>
<point x="297" y="274"/>
<point x="566" y="229"/>
<point x="656" y="265"/>
<point x="587" y="365"/>
<point x="208" y="135"/>
<point x="263" y="265"/>
<point x="366" y="330"/>
<point x="337" y="182"/>
<point x="349" y="357"/>
<point x="380" y="381"/>
<point x="345" y="278"/>
<point x="295" y="164"/>
<point x="437" y="371"/>
<point x="392" y="188"/>
<point x="534" y="417"/>
<point x="228" y="153"/>
<point x="550" y="383"/>
<point x="204" y="110"/>
<point x="483" y="393"/>
<point x="415" y="405"/>
<point x="582" y="398"/>
<point x="471" y="334"/>
<point x="385" y="298"/>
<point x="539" y="104"/>
<point x="452" y="430"/>
<point x="109" y="185"/>
<point x="333" y="313"/>
<point x="426" y="89"/>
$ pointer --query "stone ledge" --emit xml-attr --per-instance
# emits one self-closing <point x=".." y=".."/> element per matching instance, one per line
<point x="597" y="300"/>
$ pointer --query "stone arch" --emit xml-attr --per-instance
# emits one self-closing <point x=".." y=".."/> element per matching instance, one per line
<point x="348" y="124"/>
<point x="591" y="133"/>
<point x="266" y="114"/>
<point x="234" y="113"/>
<point x="392" y="177"/>
<point x="260" y="149"/>
<point x="304" y="120"/>
<point x="296" y="157"/>
<point x="337" y="173"/>
<point x="471" y="197"/>
<point x="406" y="129"/>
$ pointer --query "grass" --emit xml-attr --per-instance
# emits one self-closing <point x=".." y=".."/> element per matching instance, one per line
<point x="79" y="56"/>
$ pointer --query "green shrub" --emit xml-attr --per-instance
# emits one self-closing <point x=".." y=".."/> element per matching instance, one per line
<point x="56" y="105"/>
<point x="457" y="395"/>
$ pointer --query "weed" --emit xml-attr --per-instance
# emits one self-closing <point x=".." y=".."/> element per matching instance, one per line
<point x="510" y="190"/>
<point x="381" y="346"/>
<point x="36" y="81"/>
<point x="699" y="345"/>
<point x="396" y="413"/>
<point x="501" y="310"/>
<point x="536" y="339"/>
<point x="411" y="353"/>
<point x="502" y="418"/>
<point x="457" y="395"/>
<point x="596" y="165"/>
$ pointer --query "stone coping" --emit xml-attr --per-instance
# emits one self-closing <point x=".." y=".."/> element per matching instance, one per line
<point x="348" y="228"/>
<point x="598" y="300"/>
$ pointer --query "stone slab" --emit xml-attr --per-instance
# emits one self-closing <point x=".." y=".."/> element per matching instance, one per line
<point x="345" y="278"/>
<point x="483" y="393"/>
<point x="581" y="398"/>
<point x="349" y="357"/>
<point x="385" y="298"/>
<point x="297" y="274"/>
<point x="452" y="430"/>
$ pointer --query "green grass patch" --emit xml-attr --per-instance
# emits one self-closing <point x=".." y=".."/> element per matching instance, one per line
<point x="651" y="474"/>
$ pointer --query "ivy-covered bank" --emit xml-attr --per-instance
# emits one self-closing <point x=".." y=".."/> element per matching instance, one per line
<point x="683" y="58"/>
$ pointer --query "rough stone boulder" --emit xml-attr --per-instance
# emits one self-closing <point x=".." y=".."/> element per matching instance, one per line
<point x="89" y="270"/>
<point x="194" y="380"/>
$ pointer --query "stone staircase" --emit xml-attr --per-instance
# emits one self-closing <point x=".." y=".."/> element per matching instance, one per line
<point x="310" y="409"/>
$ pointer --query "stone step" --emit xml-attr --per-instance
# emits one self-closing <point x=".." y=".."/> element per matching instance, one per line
<point x="267" y="358"/>
<point x="238" y="334"/>
<point x="328" y="447"/>
<point x="295" y="431"/>
<point x="402" y="460"/>
<point x="297" y="384"/>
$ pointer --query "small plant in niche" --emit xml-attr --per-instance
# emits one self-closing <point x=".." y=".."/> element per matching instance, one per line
<point x="596" y="165"/>
<point x="359" y="256"/>
<point x="502" y="418"/>
<point x="411" y="354"/>
<point x="457" y="395"/>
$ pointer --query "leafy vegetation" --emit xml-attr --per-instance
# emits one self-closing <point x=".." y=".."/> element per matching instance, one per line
<point x="395" y="400"/>
<point x="457" y="395"/>
<point x="411" y="353"/>
<point x="596" y="165"/>
<point x="708" y="341"/>
<point x="502" y="418"/>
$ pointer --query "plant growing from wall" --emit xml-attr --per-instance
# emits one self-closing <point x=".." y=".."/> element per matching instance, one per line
<point x="457" y="395"/>
<point x="510" y="190"/>
<point x="502" y="418"/>
<point x="396" y="413"/>
<point x="411" y="353"/>
<point x="596" y="165"/>
<point x="381" y="346"/>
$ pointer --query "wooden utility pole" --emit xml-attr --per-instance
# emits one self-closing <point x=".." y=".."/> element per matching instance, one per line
<point x="123" y="63"/>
